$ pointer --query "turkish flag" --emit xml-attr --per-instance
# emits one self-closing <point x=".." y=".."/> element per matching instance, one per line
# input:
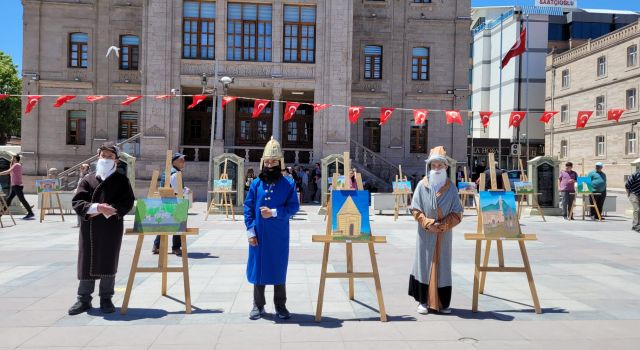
<point x="62" y="100"/>
<point x="196" y="101"/>
<point x="317" y="107"/>
<point x="615" y="114"/>
<point x="420" y="116"/>
<point x="517" y="49"/>
<point x="3" y="96"/>
<point x="516" y="118"/>
<point x="354" y="113"/>
<point x="130" y="99"/>
<point x="385" y="114"/>
<point x="32" y="101"/>
<point x="95" y="98"/>
<point x="583" y="118"/>
<point x="290" y="109"/>
<point x="453" y="116"/>
<point x="546" y="116"/>
<point x="258" y="107"/>
<point x="162" y="97"/>
<point x="484" y="118"/>
<point x="228" y="99"/>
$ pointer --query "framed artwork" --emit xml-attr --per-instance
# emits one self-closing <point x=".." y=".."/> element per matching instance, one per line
<point x="223" y="185"/>
<point x="161" y="215"/>
<point x="499" y="214"/>
<point x="339" y="183"/>
<point x="584" y="185"/>
<point x="48" y="185"/>
<point x="402" y="186"/>
<point x="350" y="214"/>
<point x="523" y="187"/>
<point x="467" y="187"/>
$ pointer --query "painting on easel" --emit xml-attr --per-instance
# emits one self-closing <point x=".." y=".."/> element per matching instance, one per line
<point x="222" y="185"/>
<point x="499" y="214"/>
<point x="340" y="183"/>
<point x="523" y="187"/>
<point x="350" y="214"/>
<point x="161" y="215"/>
<point x="402" y="186"/>
<point x="467" y="187"/>
<point x="48" y="185"/>
<point x="584" y="185"/>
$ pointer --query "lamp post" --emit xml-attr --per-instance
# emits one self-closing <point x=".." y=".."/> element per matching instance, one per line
<point x="225" y="81"/>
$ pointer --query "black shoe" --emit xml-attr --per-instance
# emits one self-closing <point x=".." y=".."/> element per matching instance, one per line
<point x="256" y="313"/>
<point x="107" y="306"/>
<point x="177" y="251"/>
<point x="28" y="217"/>
<point x="79" y="307"/>
<point x="155" y="250"/>
<point x="283" y="313"/>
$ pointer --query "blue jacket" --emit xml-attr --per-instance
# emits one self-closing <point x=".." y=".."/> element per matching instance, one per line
<point x="268" y="261"/>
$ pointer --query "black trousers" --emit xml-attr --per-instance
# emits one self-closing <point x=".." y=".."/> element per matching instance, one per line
<point x="599" y="203"/>
<point x="279" y="295"/>
<point x="86" y="288"/>
<point x="176" y="244"/>
<point x="17" y="191"/>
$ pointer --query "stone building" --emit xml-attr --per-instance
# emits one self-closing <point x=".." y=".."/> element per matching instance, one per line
<point x="407" y="54"/>
<point x="597" y="76"/>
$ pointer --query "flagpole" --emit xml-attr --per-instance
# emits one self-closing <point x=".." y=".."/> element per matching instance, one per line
<point x="499" y="102"/>
<point x="527" y="86"/>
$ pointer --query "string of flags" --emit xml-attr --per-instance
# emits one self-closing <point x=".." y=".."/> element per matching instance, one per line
<point x="420" y="116"/>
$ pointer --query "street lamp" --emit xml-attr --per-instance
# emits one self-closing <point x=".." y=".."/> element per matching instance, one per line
<point x="225" y="81"/>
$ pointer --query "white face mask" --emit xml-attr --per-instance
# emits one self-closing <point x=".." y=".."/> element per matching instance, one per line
<point x="104" y="167"/>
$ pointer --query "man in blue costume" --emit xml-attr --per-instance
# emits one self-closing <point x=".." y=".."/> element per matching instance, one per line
<point x="270" y="203"/>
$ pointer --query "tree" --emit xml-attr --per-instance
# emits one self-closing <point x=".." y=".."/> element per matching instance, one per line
<point x="9" y="107"/>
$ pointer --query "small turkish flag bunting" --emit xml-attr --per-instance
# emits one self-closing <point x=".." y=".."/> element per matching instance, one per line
<point x="163" y="97"/>
<point x="583" y="118"/>
<point x="385" y="114"/>
<point x="130" y="99"/>
<point x="546" y="116"/>
<point x="32" y="101"/>
<point x="3" y="96"/>
<point x="62" y="100"/>
<point x="516" y="118"/>
<point x="317" y="107"/>
<point x="290" y="109"/>
<point x="420" y="116"/>
<point x="453" y="117"/>
<point x="95" y="98"/>
<point x="258" y="107"/>
<point x="196" y="101"/>
<point x="354" y="113"/>
<point x="615" y="114"/>
<point x="484" y="118"/>
<point x="228" y="99"/>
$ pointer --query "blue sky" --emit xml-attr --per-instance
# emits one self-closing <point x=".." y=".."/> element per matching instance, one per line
<point x="11" y="18"/>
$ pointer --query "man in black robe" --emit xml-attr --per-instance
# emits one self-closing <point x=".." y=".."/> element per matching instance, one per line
<point x="102" y="200"/>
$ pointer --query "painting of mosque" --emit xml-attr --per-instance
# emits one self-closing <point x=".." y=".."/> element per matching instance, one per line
<point x="350" y="214"/>
<point x="499" y="214"/>
<point x="584" y="185"/>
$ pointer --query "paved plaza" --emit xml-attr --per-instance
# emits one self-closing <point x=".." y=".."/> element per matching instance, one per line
<point x="587" y="275"/>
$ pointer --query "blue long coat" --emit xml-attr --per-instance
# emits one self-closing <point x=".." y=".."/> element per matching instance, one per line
<point x="268" y="261"/>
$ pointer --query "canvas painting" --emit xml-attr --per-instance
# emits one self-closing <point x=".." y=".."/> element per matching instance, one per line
<point x="222" y="185"/>
<point x="161" y="215"/>
<point x="350" y="214"/>
<point x="467" y="187"/>
<point x="499" y="214"/>
<point x="584" y="185"/>
<point x="339" y="183"/>
<point x="402" y="186"/>
<point x="48" y="185"/>
<point x="523" y="187"/>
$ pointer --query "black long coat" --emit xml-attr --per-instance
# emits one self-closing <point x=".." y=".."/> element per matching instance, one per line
<point x="101" y="238"/>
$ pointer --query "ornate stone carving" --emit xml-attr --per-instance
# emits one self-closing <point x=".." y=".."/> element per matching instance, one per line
<point x="154" y="131"/>
<point x="133" y="76"/>
<point x="73" y="74"/>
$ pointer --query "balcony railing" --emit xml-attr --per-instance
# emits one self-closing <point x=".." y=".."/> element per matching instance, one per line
<point x="251" y="154"/>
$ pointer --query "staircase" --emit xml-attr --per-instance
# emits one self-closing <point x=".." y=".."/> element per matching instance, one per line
<point x="374" y="166"/>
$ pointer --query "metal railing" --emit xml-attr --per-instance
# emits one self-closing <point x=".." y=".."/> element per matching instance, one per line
<point x="251" y="154"/>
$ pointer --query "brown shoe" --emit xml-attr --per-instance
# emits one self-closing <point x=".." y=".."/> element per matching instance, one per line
<point x="177" y="251"/>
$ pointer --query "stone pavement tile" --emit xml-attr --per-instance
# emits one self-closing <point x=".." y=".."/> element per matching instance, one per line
<point x="114" y="348"/>
<point x="544" y="330"/>
<point x="439" y="345"/>
<point x="16" y="304"/>
<point x="14" y="336"/>
<point x="506" y="345"/>
<point x="369" y="330"/>
<point x="437" y="330"/>
<point x="311" y="332"/>
<point x="189" y="335"/>
<point x="31" y="318"/>
<point x="182" y="346"/>
<point x="132" y="335"/>
<point x="377" y="345"/>
<point x="255" y="335"/>
<point x="598" y="330"/>
<point x="487" y="330"/>
<point x="48" y="348"/>
<point x="64" y="336"/>
<point x="246" y="346"/>
<point x="318" y="345"/>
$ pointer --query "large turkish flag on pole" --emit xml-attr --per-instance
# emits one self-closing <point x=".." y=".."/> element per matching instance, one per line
<point x="517" y="49"/>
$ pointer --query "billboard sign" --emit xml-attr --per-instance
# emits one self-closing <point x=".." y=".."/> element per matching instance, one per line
<point x="558" y="3"/>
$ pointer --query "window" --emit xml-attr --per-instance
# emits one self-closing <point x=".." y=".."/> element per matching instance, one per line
<point x="373" y="62"/>
<point x="198" y="29"/>
<point x="299" y="34"/>
<point x="298" y="131"/>
<point x="600" y="106"/>
<point x="78" y="50"/>
<point x="631" y="143"/>
<point x="600" y="146"/>
<point x="418" y="139"/>
<point x="631" y="99"/>
<point x="371" y="135"/>
<point x="565" y="78"/>
<point x="129" y="52"/>
<point x="249" y="131"/>
<point x="632" y="55"/>
<point x="422" y="1"/>
<point x="564" y="149"/>
<point x="564" y="113"/>
<point x="589" y="30"/>
<point x="127" y="125"/>
<point x="249" y="32"/>
<point x="558" y="32"/>
<point x="602" y="66"/>
<point x="76" y="127"/>
<point x="420" y="63"/>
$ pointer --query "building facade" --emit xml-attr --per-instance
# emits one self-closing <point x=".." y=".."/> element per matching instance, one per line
<point x="597" y="76"/>
<point x="408" y="53"/>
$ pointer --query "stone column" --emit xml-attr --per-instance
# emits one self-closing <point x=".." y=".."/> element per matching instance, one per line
<point x="219" y="118"/>
<point x="277" y="126"/>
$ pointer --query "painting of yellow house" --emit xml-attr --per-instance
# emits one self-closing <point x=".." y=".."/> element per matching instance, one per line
<point x="348" y="219"/>
<point x="350" y="214"/>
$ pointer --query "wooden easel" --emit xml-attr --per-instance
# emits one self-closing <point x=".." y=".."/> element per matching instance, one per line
<point x="464" y="195"/>
<point x="327" y="239"/>
<point x="48" y="204"/>
<point x="164" y="192"/>
<point x="521" y="196"/>
<point x="480" y="272"/>
<point x="585" y="206"/>
<point x="401" y="196"/>
<point x="223" y="196"/>
<point x="4" y="209"/>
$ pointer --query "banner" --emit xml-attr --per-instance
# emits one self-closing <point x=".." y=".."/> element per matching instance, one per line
<point x="557" y="3"/>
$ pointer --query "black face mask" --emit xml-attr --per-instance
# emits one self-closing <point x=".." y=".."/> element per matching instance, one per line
<point x="271" y="175"/>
